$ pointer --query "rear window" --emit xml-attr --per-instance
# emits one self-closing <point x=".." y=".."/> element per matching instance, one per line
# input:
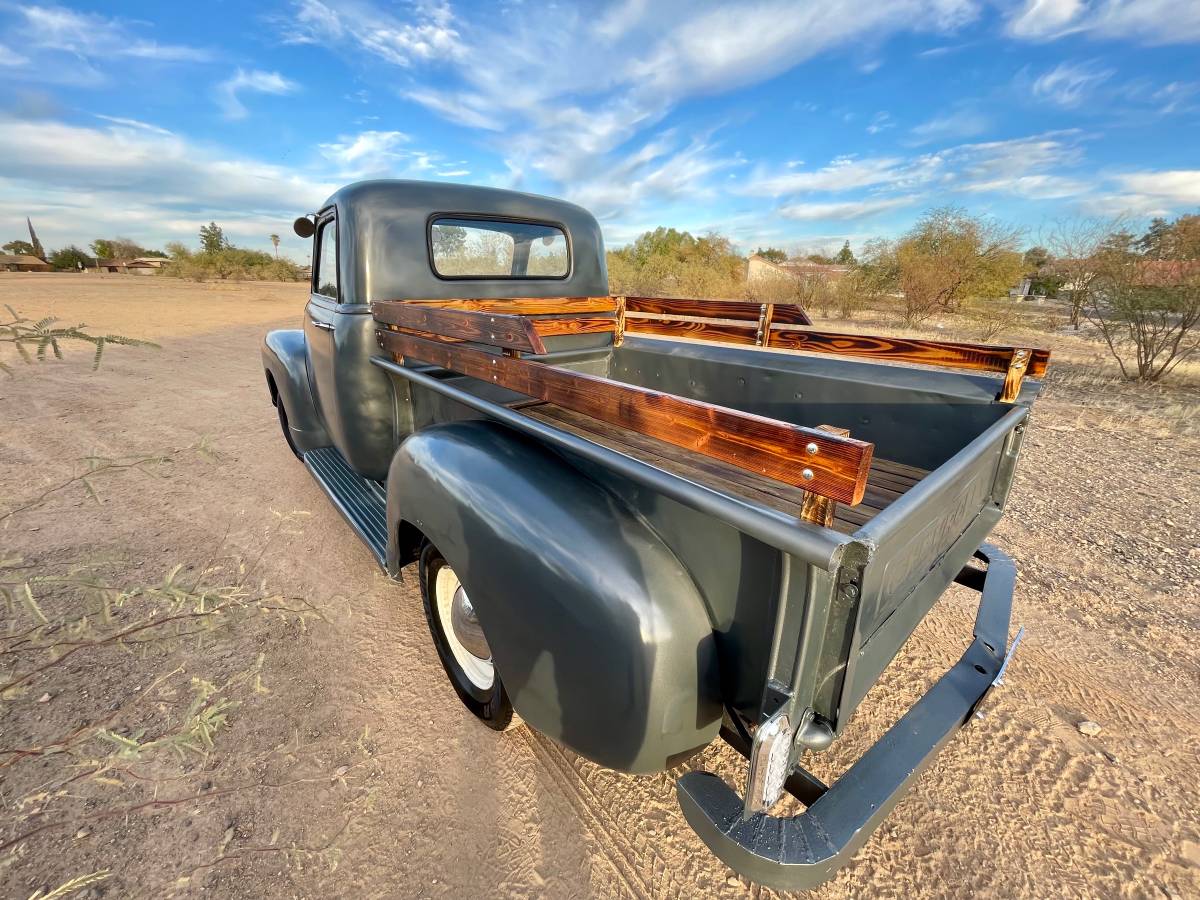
<point x="496" y="248"/>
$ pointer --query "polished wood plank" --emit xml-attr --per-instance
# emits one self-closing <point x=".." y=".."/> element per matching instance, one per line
<point x="816" y="509"/>
<point x="575" y="325"/>
<point x="722" y="332"/>
<point x="521" y="306"/>
<point x="838" y="468"/>
<point x="713" y="473"/>
<point x="914" y="350"/>
<point x="494" y="329"/>
<point x="739" y="310"/>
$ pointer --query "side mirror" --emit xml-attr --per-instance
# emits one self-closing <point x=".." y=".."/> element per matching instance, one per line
<point x="305" y="227"/>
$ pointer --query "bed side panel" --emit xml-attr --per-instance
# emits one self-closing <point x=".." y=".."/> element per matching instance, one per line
<point x="921" y="542"/>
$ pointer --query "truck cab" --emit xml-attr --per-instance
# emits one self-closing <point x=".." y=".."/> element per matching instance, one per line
<point x="381" y="240"/>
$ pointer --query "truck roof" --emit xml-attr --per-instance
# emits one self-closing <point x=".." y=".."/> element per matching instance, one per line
<point x="383" y="236"/>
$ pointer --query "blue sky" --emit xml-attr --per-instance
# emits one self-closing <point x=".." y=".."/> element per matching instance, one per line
<point x="787" y="123"/>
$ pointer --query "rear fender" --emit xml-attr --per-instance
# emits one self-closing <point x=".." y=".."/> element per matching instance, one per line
<point x="598" y="631"/>
<point x="286" y="365"/>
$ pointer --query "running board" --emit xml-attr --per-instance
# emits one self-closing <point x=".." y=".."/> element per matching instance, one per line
<point x="362" y="501"/>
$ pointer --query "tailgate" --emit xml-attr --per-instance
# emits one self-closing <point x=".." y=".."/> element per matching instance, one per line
<point x="920" y="543"/>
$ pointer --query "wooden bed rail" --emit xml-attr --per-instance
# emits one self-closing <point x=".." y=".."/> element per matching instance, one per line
<point x="822" y="463"/>
<point x="731" y="321"/>
<point x="513" y="323"/>
<point x="778" y="328"/>
<point x="772" y="326"/>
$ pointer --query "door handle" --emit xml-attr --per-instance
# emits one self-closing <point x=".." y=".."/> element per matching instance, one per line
<point x="324" y="326"/>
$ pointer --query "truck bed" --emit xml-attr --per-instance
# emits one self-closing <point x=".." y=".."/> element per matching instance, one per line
<point x="887" y="482"/>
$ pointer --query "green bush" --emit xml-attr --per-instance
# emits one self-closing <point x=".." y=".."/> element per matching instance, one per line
<point x="230" y="264"/>
<point x="666" y="262"/>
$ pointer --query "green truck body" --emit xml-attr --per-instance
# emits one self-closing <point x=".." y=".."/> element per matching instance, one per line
<point x="633" y="613"/>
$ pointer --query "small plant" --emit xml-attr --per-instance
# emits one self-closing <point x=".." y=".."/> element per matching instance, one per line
<point x="992" y="318"/>
<point x="34" y="339"/>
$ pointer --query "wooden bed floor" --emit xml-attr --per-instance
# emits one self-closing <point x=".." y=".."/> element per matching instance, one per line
<point x="887" y="480"/>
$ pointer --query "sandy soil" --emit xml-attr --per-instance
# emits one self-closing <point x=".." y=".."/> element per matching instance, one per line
<point x="274" y="721"/>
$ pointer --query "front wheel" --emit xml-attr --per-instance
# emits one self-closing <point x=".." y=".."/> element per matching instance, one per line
<point x="460" y="642"/>
<point x="287" y="432"/>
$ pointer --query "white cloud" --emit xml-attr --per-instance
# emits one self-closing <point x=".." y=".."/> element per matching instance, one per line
<point x="227" y="92"/>
<point x="1044" y="18"/>
<point x="1032" y="187"/>
<point x="844" y="211"/>
<point x="960" y="123"/>
<point x="10" y="57"/>
<point x="1035" y="167"/>
<point x="96" y="37"/>
<point x="429" y="34"/>
<point x="1148" y="21"/>
<point x="1070" y="83"/>
<point x="569" y="94"/>
<point x="148" y="185"/>
<point x="660" y="171"/>
<point x="371" y="150"/>
<point x="1014" y="166"/>
<point x="842" y="174"/>
<point x="1176" y="96"/>
<point x="1177" y="188"/>
<point x="385" y="154"/>
<point x="466" y="108"/>
<point x="732" y="45"/>
<point x="881" y="121"/>
<point x="134" y="123"/>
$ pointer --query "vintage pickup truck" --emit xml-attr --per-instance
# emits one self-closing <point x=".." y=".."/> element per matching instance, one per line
<point x="638" y="534"/>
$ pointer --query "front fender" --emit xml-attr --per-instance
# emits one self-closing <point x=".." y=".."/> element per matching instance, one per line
<point x="598" y="631"/>
<point x="286" y="364"/>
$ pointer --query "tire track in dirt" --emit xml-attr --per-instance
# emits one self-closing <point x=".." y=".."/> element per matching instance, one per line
<point x="584" y="803"/>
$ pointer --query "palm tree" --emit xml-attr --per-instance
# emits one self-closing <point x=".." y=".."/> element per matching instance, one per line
<point x="275" y="241"/>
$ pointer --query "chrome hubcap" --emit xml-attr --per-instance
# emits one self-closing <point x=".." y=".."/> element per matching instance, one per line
<point x="466" y="625"/>
<point x="463" y="632"/>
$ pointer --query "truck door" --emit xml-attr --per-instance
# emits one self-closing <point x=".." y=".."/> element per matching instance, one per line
<point x="320" y="321"/>
<point x="355" y="398"/>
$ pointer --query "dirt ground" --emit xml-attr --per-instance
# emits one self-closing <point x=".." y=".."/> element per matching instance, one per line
<point x="270" y="719"/>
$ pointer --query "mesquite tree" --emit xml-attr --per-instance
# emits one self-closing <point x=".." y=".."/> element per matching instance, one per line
<point x="1146" y="303"/>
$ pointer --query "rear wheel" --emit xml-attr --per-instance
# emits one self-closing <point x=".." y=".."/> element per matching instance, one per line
<point x="460" y="642"/>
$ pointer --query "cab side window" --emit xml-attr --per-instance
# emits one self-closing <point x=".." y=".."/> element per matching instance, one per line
<point x="326" y="279"/>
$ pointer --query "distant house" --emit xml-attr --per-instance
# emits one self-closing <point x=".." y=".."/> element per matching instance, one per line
<point x="759" y="269"/>
<point x="1022" y="291"/>
<point x="1149" y="273"/>
<point x="142" y="265"/>
<point x="9" y="263"/>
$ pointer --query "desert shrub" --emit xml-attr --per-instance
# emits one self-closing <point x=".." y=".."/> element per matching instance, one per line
<point x="950" y="256"/>
<point x="851" y="293"/>
<point x="780" y="289"/>
<point x="1069" y="273"/>
<point x="229" y="263"/>
<point x="667" y="262"/>
<point x="992" y="318"/>
<point x="69" y="259"/>
<point x="1147" y="308"/>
